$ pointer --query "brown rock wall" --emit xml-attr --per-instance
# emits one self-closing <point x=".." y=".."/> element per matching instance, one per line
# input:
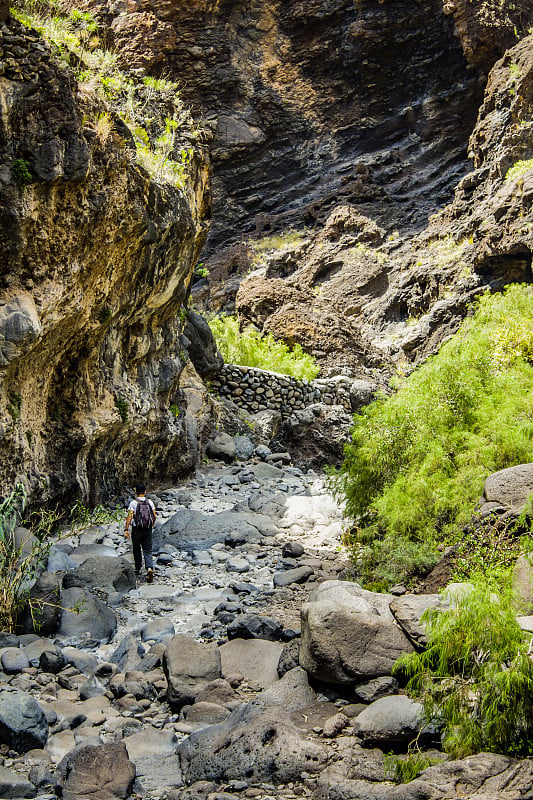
<point x="95" y="262"/>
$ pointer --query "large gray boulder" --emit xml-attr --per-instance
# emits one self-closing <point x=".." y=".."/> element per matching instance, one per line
<point x="23" y="725"/>
<point x="408" y="610"/>
<point x="102" y="772"/>
<point x="82" y="613"/>
<point x="106" y="572"/>
<point x="256" y="659"/>
<point x="250" y="744"/>
<point x="15" y="785"/>
<point x="349" y="634"/>
<point x="189" y="666"/>
<point x="291" y="693"/>
<point x="84" y="551"/>
<point x="192" y="530"/>
<point x="510" y="487"/>
<point x="222" y="447"/>
<point x="154" y="754"/>
<point x="389" y="721"/>
<point x="42" y="613"/>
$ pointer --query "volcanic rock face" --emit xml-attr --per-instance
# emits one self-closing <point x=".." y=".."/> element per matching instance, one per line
<point x="313" y="103"/>
<point x="358" y="300"/>
<point x="489" y="28"/>
<point x="95" y="261"/>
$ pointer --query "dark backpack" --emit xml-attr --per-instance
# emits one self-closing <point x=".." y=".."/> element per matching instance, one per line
<point x="144" y="516"/>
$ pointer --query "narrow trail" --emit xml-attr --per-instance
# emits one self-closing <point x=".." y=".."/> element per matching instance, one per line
<point x="190" y="583"/>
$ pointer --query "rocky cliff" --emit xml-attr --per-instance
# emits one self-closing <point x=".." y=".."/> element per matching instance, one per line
<point x="96" y="259"/>
<point x="348" y="121"/>
<point x="364" y="296"/>
<point x="313" y="103"/>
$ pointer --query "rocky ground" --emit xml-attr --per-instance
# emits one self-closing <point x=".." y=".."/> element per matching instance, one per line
<point x="249" y="668"/>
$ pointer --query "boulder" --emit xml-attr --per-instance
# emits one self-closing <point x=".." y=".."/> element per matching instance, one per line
<point x="13" y="784"/>
<point x="244" y="448"/>
<point x="23" y="725"/>
<point x="90" y="616"/>
<point x="128" y="653"/>
<point x="36" y="648"/>
<point x="222" y="447"/>
<point x="486" y="776"/>
<point x="202" y="714"/>
<point x="348" y="634"/>
<point x="292" y="550"/>
<point x="52" y="660"/>
<point x="154" y="754"/>
<point x="252" y="745"/>
<point x="189" y="666"/>
<point x="159" y="630"/>
<point x="101" y="772"/>
<point x="291" y="693"/>
<point x="218" y="691"/>
<point x="202" y="347"/>
<point x="42" y="613"/>
<point x="296" y="575"/>
<point x="13" y="660"/>
<point x="192" y="530"/>
<point x="84" y="551"/>
<point x="289" y="657"/>
<point x="59" y="561"/>
<point x="251" y="626"/>
<point x="511" y="487"/>
<point x="106" y="572"/>
<point x="389" y="721"/>
<point x="373" y="690"/>
<point x="255" y="659"/>
<point x="408" y="610"/>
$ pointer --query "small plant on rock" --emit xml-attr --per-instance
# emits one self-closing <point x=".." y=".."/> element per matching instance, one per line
<point x="21" y="172"/>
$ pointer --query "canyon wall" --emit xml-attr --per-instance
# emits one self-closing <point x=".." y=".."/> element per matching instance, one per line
<point x="313" y="103"/>
<point x="95" y="263"/>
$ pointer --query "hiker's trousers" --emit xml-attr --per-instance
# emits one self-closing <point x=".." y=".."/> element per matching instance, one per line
<point x="141" y="542"/>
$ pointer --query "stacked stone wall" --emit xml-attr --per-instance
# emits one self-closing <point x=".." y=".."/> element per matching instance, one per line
<point x="259" y="390"/>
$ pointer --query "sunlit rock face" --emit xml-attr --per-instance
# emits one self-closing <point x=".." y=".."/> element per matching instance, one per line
<point x="95" y="263"/>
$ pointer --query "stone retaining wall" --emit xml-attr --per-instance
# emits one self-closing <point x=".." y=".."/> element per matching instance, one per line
<point x="258" y="390"/>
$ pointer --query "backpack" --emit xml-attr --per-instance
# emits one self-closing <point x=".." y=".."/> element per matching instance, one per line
<point x="143" y="516"/>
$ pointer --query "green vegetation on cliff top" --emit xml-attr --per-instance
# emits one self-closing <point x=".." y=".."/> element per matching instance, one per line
<point x="151" y="108"/>
<point x="418" y="459"/>
<point x="250" y="349"/>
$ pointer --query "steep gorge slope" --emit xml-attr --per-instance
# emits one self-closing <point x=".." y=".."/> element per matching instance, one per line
<point x="96" y="261"/>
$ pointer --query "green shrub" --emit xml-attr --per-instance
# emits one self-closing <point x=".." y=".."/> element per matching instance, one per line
<point x="123" y="408"/>
<point x="476" y="675"/>
<point x="250" y="349"/>
<point x="405" y="768"/>
<point x="21" y="172"/>
<point x="519" y="169"/>
<point x="19" y="565"/>
<point x="418" y="460"/>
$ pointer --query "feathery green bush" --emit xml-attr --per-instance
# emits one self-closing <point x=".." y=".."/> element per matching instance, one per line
<point x="418" y="459"/>
<point x="476" y="675"/>
<point x="250" y="349"/>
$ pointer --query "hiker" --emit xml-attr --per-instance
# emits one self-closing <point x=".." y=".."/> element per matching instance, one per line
<point x="141" y="512"/>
